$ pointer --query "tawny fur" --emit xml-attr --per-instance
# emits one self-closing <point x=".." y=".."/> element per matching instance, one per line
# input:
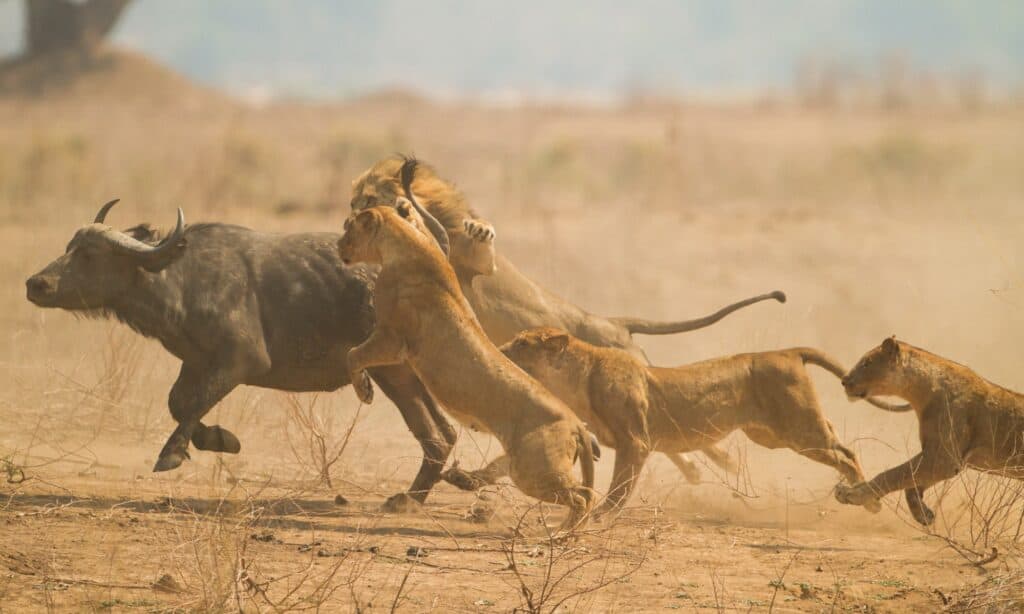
<point x="505" y="301"/>
<point x="424" y="320"/>
<point x="964" y="421"/>
<point x="638" y="409"/>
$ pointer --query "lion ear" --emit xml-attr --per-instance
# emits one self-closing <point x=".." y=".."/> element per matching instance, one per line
<point x="889" y="346"/>
<point x="368" y="219"/>
<point x="557" y="339"/>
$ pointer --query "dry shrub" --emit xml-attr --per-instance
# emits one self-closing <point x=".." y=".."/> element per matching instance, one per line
<point x="312" y="436"/>
<point x="217" y="565"/>
<point x="560" y="562"/>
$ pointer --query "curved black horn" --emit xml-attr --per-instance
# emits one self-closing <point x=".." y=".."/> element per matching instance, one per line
<point x="131" y="245"/>
<point x="102" y="215"/>
<point x="407" y="174"/>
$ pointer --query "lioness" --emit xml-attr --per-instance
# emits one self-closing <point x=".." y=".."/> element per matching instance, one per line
<point x="505" y="300"/>
<point x="964" y="421"/>
<point x="424" y="320"/>
<point x="637" y="409"/>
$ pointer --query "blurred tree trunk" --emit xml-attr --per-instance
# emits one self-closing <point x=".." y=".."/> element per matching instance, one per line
<point x="69" y="25"/>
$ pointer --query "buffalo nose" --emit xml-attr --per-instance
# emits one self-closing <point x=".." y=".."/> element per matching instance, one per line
<point x="37" y="285"/>
<point x="845" y="381"/>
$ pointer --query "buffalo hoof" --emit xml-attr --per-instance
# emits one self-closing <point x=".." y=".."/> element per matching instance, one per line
<point x="922" y="514"/>
<point x="216" y="439"/>
<point x="171" y="460"/>
<point x="464" y="480"/>
<point x="363" y="386"/>
<point x="402" y="503"/>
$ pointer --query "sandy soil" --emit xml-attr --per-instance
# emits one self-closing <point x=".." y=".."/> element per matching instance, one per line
<point x="874" y="223"/>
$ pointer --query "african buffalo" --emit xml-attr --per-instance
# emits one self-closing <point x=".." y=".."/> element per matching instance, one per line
<point x="237" y="307"/>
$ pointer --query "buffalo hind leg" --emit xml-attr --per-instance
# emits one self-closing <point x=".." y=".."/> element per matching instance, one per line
<point x="193" y="395"/>
<point x="427" y="424"/>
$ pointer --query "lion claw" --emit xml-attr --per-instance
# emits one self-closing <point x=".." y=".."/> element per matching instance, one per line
<point x="363" y="386"/>
<point x="479" y="231"/>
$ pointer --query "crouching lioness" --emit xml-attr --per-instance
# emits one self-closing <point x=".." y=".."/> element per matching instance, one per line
<point x="963" y="421"/>
<point x="424" y="320"/>
<point x="637" y="409"/>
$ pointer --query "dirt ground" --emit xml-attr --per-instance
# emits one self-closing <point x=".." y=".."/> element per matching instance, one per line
<point x="111" y="540"/>
<point x="874" y="223"/>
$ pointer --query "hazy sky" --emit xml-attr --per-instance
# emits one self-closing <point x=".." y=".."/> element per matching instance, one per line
<point x="567" y="47"/>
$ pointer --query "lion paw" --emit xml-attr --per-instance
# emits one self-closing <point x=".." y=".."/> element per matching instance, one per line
<point x="858" y="494"/>
<point x="402" y="503"/>
<point x="464" y="480"/>
<point x="363" y="386"/>
<point x="479" y="231"/>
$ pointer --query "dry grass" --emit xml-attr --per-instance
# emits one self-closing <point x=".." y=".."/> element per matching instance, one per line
<point x="875" y="223"/>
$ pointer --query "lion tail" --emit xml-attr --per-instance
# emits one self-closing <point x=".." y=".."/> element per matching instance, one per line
<point x="651" y="327"/>
<point x="817" y="357"/>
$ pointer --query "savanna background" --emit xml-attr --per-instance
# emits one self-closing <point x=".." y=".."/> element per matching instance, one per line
<point x="657" y="159"/>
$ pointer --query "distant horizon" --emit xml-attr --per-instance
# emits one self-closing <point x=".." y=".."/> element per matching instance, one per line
<point x="595" y="52"/>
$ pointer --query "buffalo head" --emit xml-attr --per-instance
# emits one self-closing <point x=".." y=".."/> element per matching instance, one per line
<point x="101" y="263"/>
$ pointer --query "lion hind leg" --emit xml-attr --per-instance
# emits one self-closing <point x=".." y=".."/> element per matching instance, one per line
<point x="689" y="469"/>
<point x="579" y="500"/>
<point x="628" y="463"/>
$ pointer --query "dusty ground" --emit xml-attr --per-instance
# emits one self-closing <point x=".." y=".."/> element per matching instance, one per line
<point x="874" y="223"/>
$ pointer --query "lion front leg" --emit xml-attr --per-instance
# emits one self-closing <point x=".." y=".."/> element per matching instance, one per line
<point x="917" y="475"/>
<point x="629" y="460"/>
<point x="384" y="347"/>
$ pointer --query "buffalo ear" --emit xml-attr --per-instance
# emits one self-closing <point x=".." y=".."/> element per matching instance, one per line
<point x="142" y="232"/>
<point x="890" y="347"/>
<point x="165" y="258"/>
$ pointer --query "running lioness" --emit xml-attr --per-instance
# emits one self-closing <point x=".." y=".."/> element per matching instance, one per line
<point x="638" y="409"/>
<point x="964" y="421"/>
<point x="424" y="320"/>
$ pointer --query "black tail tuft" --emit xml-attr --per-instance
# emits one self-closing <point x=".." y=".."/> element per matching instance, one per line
<point x="408" y="173"/>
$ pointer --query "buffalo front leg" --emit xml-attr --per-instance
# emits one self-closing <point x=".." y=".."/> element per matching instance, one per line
<point x="428" y="425"/>
<point x="193" y="395"/>
<point x="382" y="348"/>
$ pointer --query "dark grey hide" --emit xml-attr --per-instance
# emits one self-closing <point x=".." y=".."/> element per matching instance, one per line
<point x="237" y="307"/>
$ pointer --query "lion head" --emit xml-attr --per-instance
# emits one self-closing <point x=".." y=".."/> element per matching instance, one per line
<point x="441" y="205"/>
<point x="877" y="372"/>
<point x="382" y="184"/>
